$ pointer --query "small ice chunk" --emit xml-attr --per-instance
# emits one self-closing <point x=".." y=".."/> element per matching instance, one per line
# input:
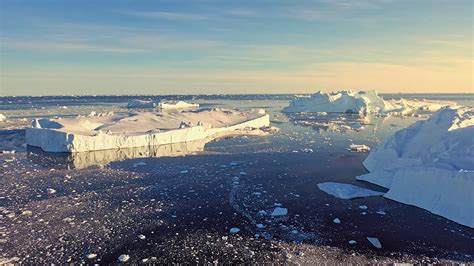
<point x="381" y="212"/>
<point x="183" y="172"/>
<point x="123" y="258"/>
<point x="359" y="148"/>
<point x="279" y="211"/>
<point x="352" y="242"/>
<point x="243" y="173"/>
<point x="141" y="237"/>
<point x="3" y="118"/>
<point x="375" y="242"/>
<point x="260" y="226"/>
<point x="336" y="221"/>
<point x="51" y="190"/>
<point x="139" y="164"/>
<point x="363" y="207"/>
<point x="262" y="212"/>
<point x="347" y="191"/>
<point x="91" y="256"/>
<point x="234" y="230"/>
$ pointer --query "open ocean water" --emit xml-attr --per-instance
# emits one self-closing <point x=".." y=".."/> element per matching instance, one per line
<point x="177" y="203"/>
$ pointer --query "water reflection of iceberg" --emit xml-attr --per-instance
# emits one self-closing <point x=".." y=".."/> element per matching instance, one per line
<point x="103" y="157"/>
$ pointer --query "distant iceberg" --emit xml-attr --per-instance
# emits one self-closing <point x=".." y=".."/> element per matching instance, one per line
<point x="134" y="103"/>
<point x="177" y="105"/>
<point x="430" y="165"/>
<point x="129" y="130"/>
<point x="3" y="118"/>
<point x="362" y="102"/>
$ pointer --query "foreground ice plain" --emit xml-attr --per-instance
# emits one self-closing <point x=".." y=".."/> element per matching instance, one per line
<point x="430" y="165"/>
<point x="138" y="129"/>
<point x="362" y="102"/>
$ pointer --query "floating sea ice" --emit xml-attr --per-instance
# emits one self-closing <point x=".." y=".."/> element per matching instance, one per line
<point x="123" y="258"/>
<point x="262" y="212"/>
<point x="141" y="237"/>
<point x="347" y="191"/>
<point x="91" y="256"/>
<point x="363" y="207"/>
<point x="336" y="221"/>
<point x="3" y="118"/>
<point x="184" y="172"/>
<point x="139" y="164"/>
<point x="234" y="230"/>
<point x="352" y="242"/>
<point x="243" y="173"/>
<point x="381" y="212"/>
<point x="359" y="148"/>
<point x="375" y="242"/>
<point x="278" y="211"/>
<point x="260" y="226"/>
<point x="51" y="190"/>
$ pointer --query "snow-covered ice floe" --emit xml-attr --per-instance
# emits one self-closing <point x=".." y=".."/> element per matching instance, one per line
<point x="138" y="129"/>
<point x="430" y="165"/>
<point x="362" y="102"/>
<point x="177" y="105"/>
<point x="134" y="103"/>
<point x="347" y="191"/>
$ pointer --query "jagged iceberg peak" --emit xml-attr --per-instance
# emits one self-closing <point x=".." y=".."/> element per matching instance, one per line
<point x="430" y="164"/>
<point x="345" y="101"/>
<point x="362" y="102"/>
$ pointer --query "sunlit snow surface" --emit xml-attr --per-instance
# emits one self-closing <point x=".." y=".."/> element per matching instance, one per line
<point x="185" y="199"/>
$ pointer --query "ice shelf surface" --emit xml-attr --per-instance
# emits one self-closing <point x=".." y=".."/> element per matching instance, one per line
<point x="347" y="191"/>
<point x="430" y="165"/>
<point x="362" y="102"/>
<point x="138" y="129"/>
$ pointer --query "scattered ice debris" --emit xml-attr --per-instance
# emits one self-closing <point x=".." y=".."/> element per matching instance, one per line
<point x="359" y="148"/>
<point x="3" y="118"/>
<point x="141" y="237"/>
<point x="375" y="242"/>
<point x="260" y="226"/>
<point x="381" y="212"/>
<point x="307" y="150"/>
<point x="135" y="103"/>
<point x="352" y="242"/>
<point x="123" y="258"/>
<point x="347" y="191"/>
<point x="363" y="207"/>
<point x="336" y="221"/>
<point x="139" y="164"/>
<point x="234" y="230"/>
<point x="279" y="211"/>
<point x="420" y="165"/>
<point x="91" y="256"/>
<point x="51" y="190"/>
<point x="183" y="172"/>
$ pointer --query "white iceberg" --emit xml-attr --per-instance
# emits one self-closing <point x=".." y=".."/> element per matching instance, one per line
<point x="362" y="102"/>
<point x="375" y="242"/>
<point x="340" y="102"/>
<point x="134" y="103"/>
<point x="177" y="105"/>
<point x="430" y="165"/>
<point x="347" y="191"/>
<point x="141" y="129"/>
<point x="359" y="148"/>
<point x="3" y="118"/>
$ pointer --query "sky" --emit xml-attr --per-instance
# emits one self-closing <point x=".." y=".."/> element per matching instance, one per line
<point x="78" y="47"/>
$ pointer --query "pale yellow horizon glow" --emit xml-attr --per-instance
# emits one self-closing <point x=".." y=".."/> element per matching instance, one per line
<point x="455" y="77"/>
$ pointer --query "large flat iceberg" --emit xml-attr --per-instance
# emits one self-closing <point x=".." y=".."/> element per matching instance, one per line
<point x="430" y="165"/>
<point x="347" y="191"/>
<point x="138" y="129"/>
<point x="362" y="102"/>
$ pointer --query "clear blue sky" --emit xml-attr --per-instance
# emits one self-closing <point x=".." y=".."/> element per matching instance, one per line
<point x="162" y="47"/>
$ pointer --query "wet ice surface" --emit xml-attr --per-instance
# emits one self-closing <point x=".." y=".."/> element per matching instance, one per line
<point x="182" y="209"/>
